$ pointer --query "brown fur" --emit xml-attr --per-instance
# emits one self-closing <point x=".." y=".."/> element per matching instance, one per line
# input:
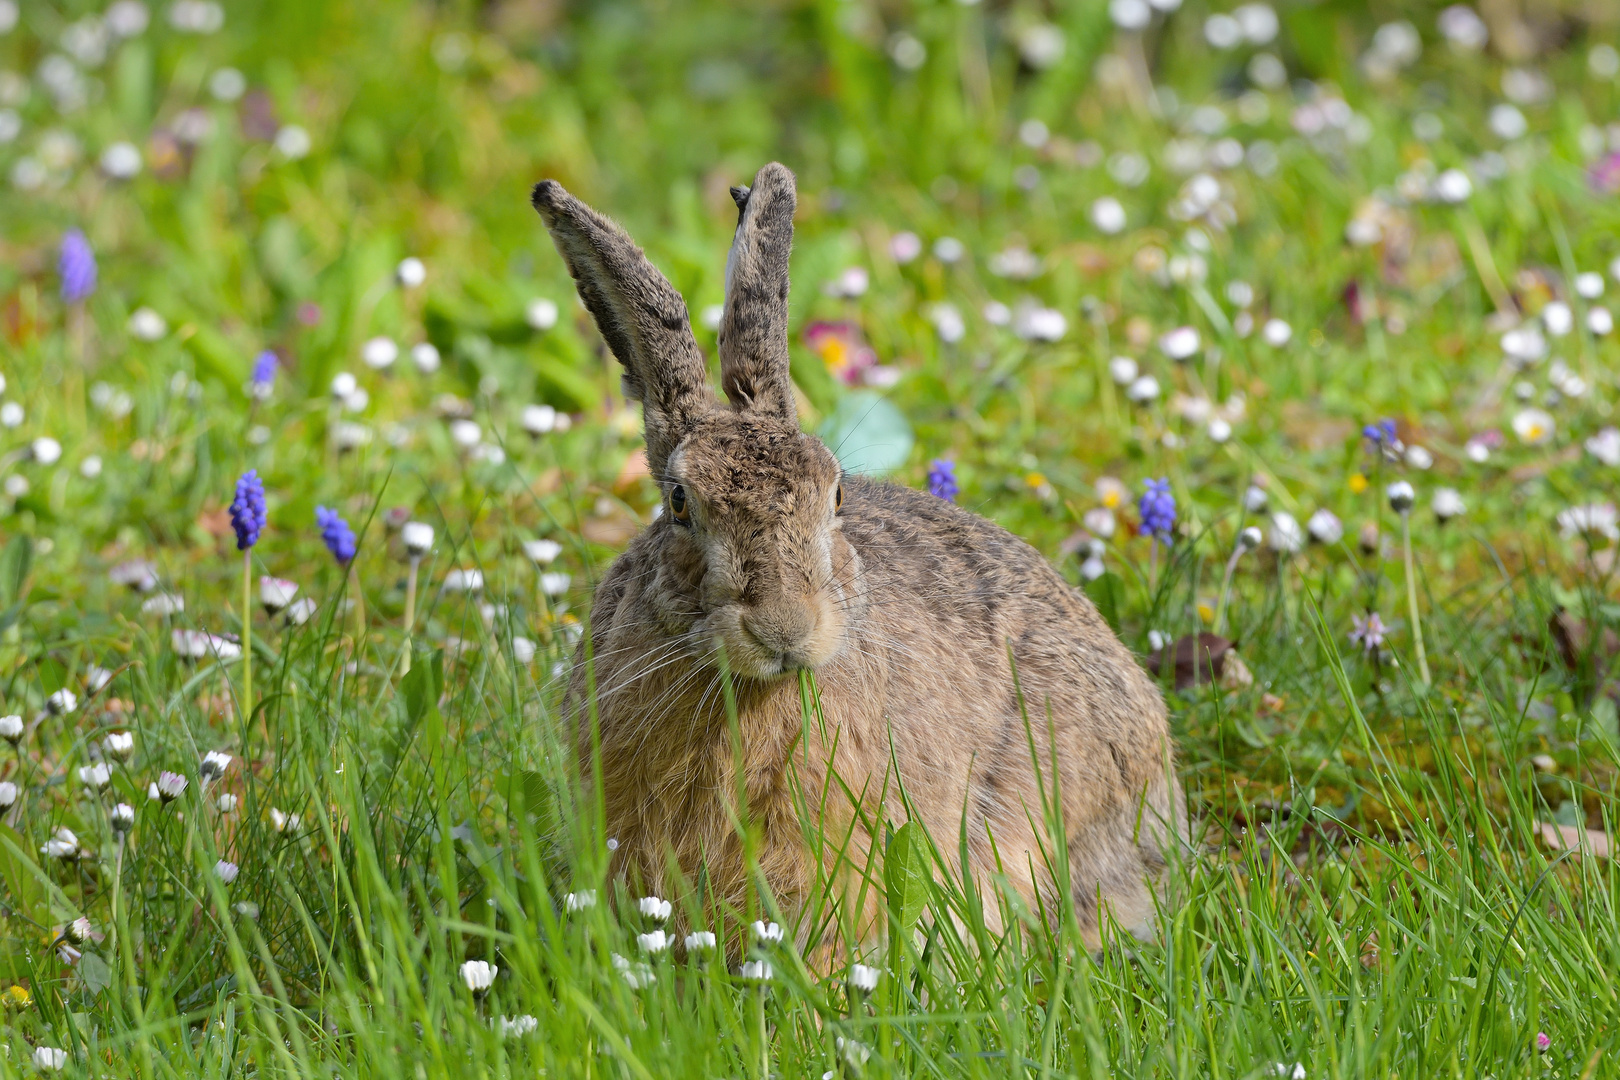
<point x="905" y="607"/>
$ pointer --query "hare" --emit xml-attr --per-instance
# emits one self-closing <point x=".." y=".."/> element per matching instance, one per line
<point x="948" y="655"/>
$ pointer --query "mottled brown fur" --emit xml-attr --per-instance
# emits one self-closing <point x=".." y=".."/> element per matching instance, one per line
<point x="906" y="608"/>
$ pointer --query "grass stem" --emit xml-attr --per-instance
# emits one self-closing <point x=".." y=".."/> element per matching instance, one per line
<point x="1411" y="598"/>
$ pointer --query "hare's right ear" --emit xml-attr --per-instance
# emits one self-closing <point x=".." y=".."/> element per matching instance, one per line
<point x="641" y="316"/>
<point x="754" y="329"/>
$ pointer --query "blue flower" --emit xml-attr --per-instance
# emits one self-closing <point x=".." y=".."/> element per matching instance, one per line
<point x="942" y="479"/>
<point x="1158" y="509"/>
<point x="1381" y="433"/>
<point x="248" y="514"/>
<point x="336" y="535"/>
<point x="264" y="372"/>
<point x="77" y="267"/>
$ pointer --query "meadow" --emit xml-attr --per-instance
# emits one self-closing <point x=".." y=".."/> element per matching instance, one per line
<point x="1289" y="325"/>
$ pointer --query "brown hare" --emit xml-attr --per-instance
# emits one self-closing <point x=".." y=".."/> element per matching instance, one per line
<point x="910" y="611"/>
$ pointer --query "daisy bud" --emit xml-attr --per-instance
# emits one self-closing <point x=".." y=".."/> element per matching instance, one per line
<point x="756" y="970"/>
<point x="1401" y="496"/>
<point x="1250" y="538"/>
<point x="417" y="537"/>
<point x="479" y="975"/>
<point x="95" y="777"/>
<point x="410" y="272"/>
<point x="276" y="593"/>
<point x="170" y="786"/>
<point x="122" y="817"/>
<point x="1325" y="527"/>
<point x="538" y="420"/>
<point x="542" y="552"/>
<point x="654" y="908"/>
<point x="11" y="729"/>
<point x="1448" y="503"/>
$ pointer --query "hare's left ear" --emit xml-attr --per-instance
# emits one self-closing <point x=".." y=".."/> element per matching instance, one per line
<point x="754" y="329"/>
<point x="641" y="316"/>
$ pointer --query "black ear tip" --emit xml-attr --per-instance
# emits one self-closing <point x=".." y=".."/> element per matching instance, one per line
<point x="739" y="195"/>
<point x="545" y="193"/>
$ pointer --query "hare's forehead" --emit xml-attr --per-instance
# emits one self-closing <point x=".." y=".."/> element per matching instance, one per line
<point x="757" y="466"/>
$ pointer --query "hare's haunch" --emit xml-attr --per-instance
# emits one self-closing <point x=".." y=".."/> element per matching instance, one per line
<point x="951" y="659"/>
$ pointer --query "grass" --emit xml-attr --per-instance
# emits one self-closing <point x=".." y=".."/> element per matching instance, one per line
<point x="1373" y="893"/>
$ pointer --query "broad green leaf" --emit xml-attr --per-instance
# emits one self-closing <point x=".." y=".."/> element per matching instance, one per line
<point x="868" y="434"/>
<point x="905" y="874"/>
<point x="94" y="972"/>
<point x="15" y="562"/>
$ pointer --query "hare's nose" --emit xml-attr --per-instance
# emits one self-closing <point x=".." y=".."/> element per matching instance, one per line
<point x="782" y="628"/>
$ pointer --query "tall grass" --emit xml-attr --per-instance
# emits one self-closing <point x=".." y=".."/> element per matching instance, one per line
<point x="1392" y="915"/>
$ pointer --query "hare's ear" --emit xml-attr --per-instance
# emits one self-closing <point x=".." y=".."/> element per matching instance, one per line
<point x="641" y="316"/>
<point x="754" y="329"/>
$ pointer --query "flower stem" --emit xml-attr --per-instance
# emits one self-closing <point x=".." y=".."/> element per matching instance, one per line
<point x="410" y="613"/>
<point x="1411" y="597"/>
<point x="1226" y="591"/>
<point x="247" y="635"/>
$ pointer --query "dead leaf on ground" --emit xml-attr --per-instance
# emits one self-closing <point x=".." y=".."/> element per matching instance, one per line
<point x="1563" y="838"/>
<point x="1197" y="659"/>
<point x="614" y="531"/>
<point x="216" y="522"/>
<point x="1573" y="637"/>
<point x="631" y="472"/>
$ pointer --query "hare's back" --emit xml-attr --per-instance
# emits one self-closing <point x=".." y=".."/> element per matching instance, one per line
<point x="963" y="566"/>
<point x="935" y="571"/>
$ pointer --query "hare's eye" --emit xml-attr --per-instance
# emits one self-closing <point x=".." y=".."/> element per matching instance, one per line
<point x="677" y="505"/>
<point x="838" y="499"/>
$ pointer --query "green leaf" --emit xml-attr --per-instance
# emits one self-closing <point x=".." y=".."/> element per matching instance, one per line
<point x="868" y="434"/>
<point x="217" y="360"/>
<point x="1108" y="593"/>
<point x="906" y="875"/>
<point x="420" y="687"/>
<point x="27" y="894"/>
<point x="94" y="973"/>
<point x="15" y="562"/>
<point x="527" y="792"/>
<point x="560" y="385"/>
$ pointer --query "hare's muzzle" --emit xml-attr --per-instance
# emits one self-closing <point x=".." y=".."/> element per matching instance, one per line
<point x="784" y="635"/>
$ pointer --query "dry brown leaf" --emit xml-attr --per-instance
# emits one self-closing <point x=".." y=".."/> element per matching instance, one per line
<point x="1571" y="837"/>
<point x="631" y="472"/>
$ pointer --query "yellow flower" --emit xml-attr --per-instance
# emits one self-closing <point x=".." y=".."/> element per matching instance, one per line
<point x="835" y="353"/>
<point x="1035" y="480"/>
<point x="1206" y="611"/>
<point x="1358" y="483"/>
<point x="16" y="997"/>
<point x="1111" y="492"/>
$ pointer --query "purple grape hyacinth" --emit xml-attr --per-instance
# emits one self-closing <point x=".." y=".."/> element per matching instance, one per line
<point x="264" y="373"/>
<point x="942" y="479"/>
<point x="1158" y="509"/>
<point x="336" y="535"/>
<point x="1381" y="433"/>
<point x="248" y="514"/>
<point x="77" y="267"/>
